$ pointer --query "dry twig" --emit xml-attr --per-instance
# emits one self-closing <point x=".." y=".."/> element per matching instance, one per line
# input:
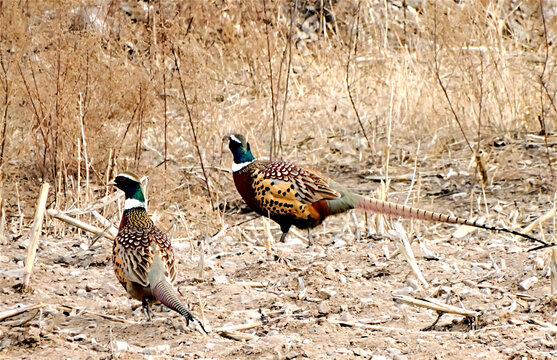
<point x="20" y="310"/>
<point x="434" y="305"/>
<point x="35" y="233"/>
<point x="406" y="250"/>
<point x="107" y="233"/>
<point x="553" y="267"/>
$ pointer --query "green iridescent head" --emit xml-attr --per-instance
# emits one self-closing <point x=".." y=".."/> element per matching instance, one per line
<point x="129" y="183"/>
<point x="241" y="151"/>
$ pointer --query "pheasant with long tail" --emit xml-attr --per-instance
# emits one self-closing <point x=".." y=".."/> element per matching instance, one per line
<point x="290" y="195"/>
<point x="142" y="254"/>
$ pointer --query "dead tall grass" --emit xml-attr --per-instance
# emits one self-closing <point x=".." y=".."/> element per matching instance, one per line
<point x="85" y="85"/>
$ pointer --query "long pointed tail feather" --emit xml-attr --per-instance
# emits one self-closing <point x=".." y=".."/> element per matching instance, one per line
<point x="393" y="209"/>
<point x="164" y="293"/>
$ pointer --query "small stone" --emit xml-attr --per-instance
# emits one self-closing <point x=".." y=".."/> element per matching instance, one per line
<point x="62" y="259"/>
<point x="79" y="337"/>
<point x="326" y="293"/>
<point x="346" y="317"/>
<point x="73" y="332"/>
<point x="148" y="351"/>
<point x="365" y="301"/>
<point x="378" y="357"/>
<point x="163" y="348"/>
<point x="339" y="243"/>
<point x="121" y="346"/>
<point x="81" y="292"/>
<point x="274" y="339"/>
<point x="393" y="351"/>
<point x="74" y="273"/>
<point x="32" y="336"/>
<point x="60" y="291"/>
<point x="323" y="307"/>
<point x="330" y="271"/>
<point x="248" y="349"/>
<point x="220" y="279"/>
<point x="110" y="289"/>
<point x="403" y="291"/>
<point x="527" y="283"/>
<point x="342" y="279"/>
<point x="99" y="348"/>
<point x="291" y="355"/>
<point x="90" y="286"/>
<point x="366" y="354"/>
<point x="469" y="283"/>
<point x="539" y="263"/>
<point x="5" y="342"/>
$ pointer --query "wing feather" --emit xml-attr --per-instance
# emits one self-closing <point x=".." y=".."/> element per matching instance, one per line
<point x="309" y="186"/>
<point x="137" y="249"/>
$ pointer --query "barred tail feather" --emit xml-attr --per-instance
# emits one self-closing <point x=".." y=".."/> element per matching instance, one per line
<point x="164" y="293"/>
<point x="393" y="209"/>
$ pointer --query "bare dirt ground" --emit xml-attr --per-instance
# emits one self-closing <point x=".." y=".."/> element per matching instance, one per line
<point x="343" y="280"/>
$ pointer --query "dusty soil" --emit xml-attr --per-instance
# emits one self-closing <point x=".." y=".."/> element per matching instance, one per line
<point x="333" y="300"/>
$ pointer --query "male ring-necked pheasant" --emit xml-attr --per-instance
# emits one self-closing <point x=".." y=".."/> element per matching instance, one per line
<point x="142" y="255"/>
<point x="290" y="195"/>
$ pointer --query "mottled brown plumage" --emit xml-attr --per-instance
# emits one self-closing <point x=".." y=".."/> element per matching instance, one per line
<point x="142" y="254"/>
<point x="290" y="195"/>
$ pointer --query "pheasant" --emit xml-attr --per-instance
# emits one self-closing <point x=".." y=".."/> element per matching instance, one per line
<point x="290" y="195"/>
<point x="142" y="255"/>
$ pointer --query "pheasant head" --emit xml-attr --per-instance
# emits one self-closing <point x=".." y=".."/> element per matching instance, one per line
<point x="241" y="151"/>
<point x="131" y="186"/>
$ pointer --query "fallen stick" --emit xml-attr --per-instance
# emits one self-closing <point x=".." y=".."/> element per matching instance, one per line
<point x="35" y="233"/>
<point x="268" y="237"/>
<point x="536" y="222"/>
<point x="201" y="264"/>
<point x="553" y="267"/>
<point x="104" y="316"/>
<point x="80" y="224"/>
<point x="235" y="335"/>
<point x="433" y="305"/>
<point x="9" y="313"/>
<point x="218" y="235"/>
<point x="362" y="325"/>
<point x="248" y="239"/>
<point x="406" y="250"/>
<point x="2" y="220"/>
<point x="253" y="284"/>
<point x="239" y="327"/>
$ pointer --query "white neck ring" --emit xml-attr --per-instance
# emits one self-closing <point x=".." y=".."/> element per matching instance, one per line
<point x="237" y="167"/>
<point x="133" y="203"/>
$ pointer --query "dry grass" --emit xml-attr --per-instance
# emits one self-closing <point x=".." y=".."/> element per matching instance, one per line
<point x="83" y="84"/>
<point x="101" y="67"/>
